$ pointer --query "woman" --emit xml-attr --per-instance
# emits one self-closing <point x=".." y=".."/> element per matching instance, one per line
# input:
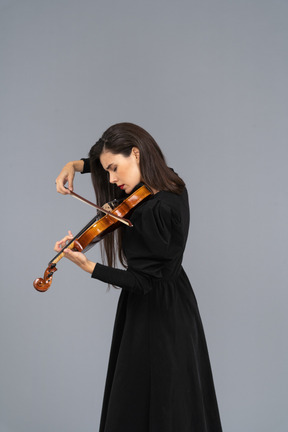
<point x="159" y="377"/>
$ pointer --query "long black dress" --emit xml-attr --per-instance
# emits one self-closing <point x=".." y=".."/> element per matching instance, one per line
<point x="159" y="377"/>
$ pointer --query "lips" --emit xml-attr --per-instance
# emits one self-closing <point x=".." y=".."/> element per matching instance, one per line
<point x="121" y="186"/>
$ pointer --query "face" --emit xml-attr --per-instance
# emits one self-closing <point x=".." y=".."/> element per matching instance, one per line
<point x="123" y="171"/>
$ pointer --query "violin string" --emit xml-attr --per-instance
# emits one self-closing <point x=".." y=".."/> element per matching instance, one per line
<point x="120" y="219"/>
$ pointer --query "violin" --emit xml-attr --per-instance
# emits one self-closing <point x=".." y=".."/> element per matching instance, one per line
<point x="94" y="231"/>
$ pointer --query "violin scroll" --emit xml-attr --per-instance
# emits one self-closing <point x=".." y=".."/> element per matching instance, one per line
<point x="42" y="284"/>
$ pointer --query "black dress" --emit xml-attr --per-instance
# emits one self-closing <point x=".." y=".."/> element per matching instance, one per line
<point x="159" y="377"/>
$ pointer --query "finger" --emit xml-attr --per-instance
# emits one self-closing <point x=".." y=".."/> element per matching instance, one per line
<point x="71" y="255"/>
<point x="60" y="187"/>
<point x="59" y="245"/>
<point x="68" y="253"/>
<point x="61" y="181"/>
<point x="70" y="182"/>
<point x="67" y="238"/>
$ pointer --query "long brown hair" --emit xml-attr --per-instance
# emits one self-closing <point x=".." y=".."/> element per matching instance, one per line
<point x="120" y="139"/>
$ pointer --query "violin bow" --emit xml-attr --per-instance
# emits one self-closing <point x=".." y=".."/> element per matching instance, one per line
<point x="101" y="209"/>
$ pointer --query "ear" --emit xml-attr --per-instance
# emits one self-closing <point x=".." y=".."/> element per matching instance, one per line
<point x="136" y="153"/>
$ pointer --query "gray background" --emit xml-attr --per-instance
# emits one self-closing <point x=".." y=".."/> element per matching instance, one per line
<point x="208" y="79"/>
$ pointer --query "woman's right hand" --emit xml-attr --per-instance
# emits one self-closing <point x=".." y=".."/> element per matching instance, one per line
<point x="67" y="175"/>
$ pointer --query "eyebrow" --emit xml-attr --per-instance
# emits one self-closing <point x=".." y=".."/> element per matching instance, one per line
<point x="109" y="166"/>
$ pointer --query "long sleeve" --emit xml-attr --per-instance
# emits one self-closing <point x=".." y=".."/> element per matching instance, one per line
<point x="147" y="248"/>
<point x="86" y="168"/>
<point x="126" y="279"/>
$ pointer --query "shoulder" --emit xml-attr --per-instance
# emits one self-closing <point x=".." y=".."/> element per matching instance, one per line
<point x="170" y="200"/>
<point x="165" y="205"/>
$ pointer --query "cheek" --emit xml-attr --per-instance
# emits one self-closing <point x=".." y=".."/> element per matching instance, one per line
<point x="136" y="173"/>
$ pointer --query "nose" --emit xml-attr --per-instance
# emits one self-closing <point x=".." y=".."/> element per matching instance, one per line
<point x="112" y="177"/>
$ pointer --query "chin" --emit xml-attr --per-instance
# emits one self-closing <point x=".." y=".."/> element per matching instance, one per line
<point x="129" y="189"/>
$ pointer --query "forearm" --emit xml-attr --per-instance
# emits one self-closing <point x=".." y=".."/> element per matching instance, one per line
<point x="128" y="280"/>
<point x="77" y="258"/>
<point x="78" y="165"/>
<point x="88" y="266"/>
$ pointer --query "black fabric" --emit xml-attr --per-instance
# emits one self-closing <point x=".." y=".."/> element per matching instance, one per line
<point x="159" y="377"/>
<point x="86" y="167"/>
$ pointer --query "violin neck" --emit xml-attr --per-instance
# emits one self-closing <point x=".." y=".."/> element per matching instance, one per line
<point x="70" y="244"/>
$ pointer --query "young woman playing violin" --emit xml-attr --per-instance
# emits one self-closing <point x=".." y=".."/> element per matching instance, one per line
<point x="159" y="377"/>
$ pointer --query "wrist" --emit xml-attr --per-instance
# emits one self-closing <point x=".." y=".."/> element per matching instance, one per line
<point x="77" y="165"/>
<point x="89" y="266"/>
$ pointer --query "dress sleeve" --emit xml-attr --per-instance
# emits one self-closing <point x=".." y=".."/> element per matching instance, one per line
<point x="126" y="279"/>
<point x="148" y="251"/>
<point x="86" y="168"/>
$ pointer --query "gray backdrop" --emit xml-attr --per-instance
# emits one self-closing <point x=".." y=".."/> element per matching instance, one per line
<point x="208" y="79"/>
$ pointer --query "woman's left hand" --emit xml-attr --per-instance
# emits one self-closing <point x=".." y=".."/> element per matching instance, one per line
<point x="80" y="259"/>
<point x="77" y="258"/>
